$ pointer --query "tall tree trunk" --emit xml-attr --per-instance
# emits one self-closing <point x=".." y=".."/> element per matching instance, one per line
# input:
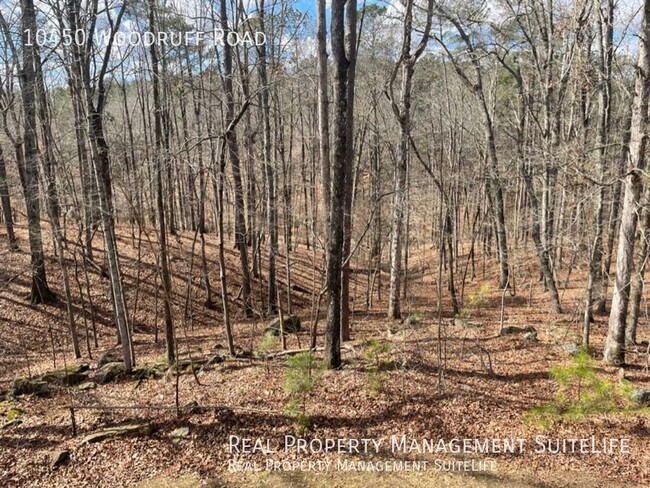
<point x="615" y="343"/>
<point x="332" y="354"/>
<point x="233" y="155"/>
<point x="351" y="54"/>
<point x="12" y="243"/>
<point x="48" y="159"/>
<point x="40" y="292"/>
<point x="494" y="187"/>
<point x="160" y="157"/>
<point x="100" y="155"/>
<point x="637" y="280"/>
<point x="536" y="234"/>
<point x="323" y="113"/>
<point x="375" y="184"/>
<point x="402" y="111"/>
<point x="605" y="41"/>
<point x="269" y="171"/>
<point x="615" y="209"/>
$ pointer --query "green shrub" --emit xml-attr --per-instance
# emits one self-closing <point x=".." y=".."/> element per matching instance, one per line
<point x="480" y="298"/>
<point x="476" y="300"/>
<point x="375" y="352"/>
<point x="581" y="392"/>
<point x="303" y="374"/>
<point x="264" y="347"/>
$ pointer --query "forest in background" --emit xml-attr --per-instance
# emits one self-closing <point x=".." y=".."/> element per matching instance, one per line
<point x="470" y="124"/>
<point x="486" y="149"/>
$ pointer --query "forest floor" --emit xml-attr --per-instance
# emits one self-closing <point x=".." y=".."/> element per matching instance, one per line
<point x="489" y="382"/>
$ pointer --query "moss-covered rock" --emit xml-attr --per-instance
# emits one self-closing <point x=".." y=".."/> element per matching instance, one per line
<point x="291" y="325"/>
<point x="108" y="372"/>
<point x="65" y="377"/>
<point x="640" y="396"/>
<point x="26" y="386"/>
<point x="188" y="365"/>
<point x="109" y="357"/>
<point x="156" y="370"/>
<point x="511" y="329"/>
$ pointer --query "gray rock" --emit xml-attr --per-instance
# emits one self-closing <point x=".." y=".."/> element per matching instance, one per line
<point x="25" y="386"/>
<point x="216" y="359"/>
<point x="57" y="458"/>
<point x="88" y="385"/>
<point x="412" y="320"/>
<point x="570" y="348"/>
<point x="640" y="396"/>
<point x="531" y="336"/>
<point x="109" y="357"/>
<point x="65" y="377"/>
<point x="132" y="430"/>
<point x="108" y="372"/>
<point x="393" y="328"/>
<point x="511" y="329"/>
<point x="291" y="325"/>
<point x="180" y="433"/>
<point x="153" y="371"/>
<point x="192" y="406"/>
<point x="188" y="365"/>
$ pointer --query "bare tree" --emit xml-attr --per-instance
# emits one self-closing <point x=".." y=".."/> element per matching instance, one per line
<point x="615" y="344"/>
<point x="269" y="171"/>
<point x="402" y="111"/>
<point x="233" y="156"/>
<point x="41" y="292"/>
<point x="605" y="39"/>
<point x="323" y="111"/>
<point x="340" y="157"/>
<point x="493" y="175"/>
<point x="161" y="158"/>
<point x="12" y="243"/>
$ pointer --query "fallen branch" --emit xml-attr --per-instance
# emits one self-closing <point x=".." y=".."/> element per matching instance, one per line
<point x="292" y="352"/>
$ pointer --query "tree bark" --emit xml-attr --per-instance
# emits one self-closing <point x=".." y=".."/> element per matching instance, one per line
<point x="323" y="113"/>
<point x="605" y="41"/>
<point x="269" y="171"/>
<point x="159" y="158"/>
<point x="332" y="354"/>
<point x="637" y="280"/>
<point x="402" y="111"/>
<point x="233" y="156"/>
<point x="351" y="54"/>
<point x="615" y="344"/>
<point x="96" y="103"/>
<point x="12" y="243"/>
<point x="40" y="292"/>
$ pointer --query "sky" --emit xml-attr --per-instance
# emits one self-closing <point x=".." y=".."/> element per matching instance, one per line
<point x="627" y="21"/>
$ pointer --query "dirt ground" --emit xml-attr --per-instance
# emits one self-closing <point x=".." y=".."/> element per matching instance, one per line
<point x="487" y="385"/>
